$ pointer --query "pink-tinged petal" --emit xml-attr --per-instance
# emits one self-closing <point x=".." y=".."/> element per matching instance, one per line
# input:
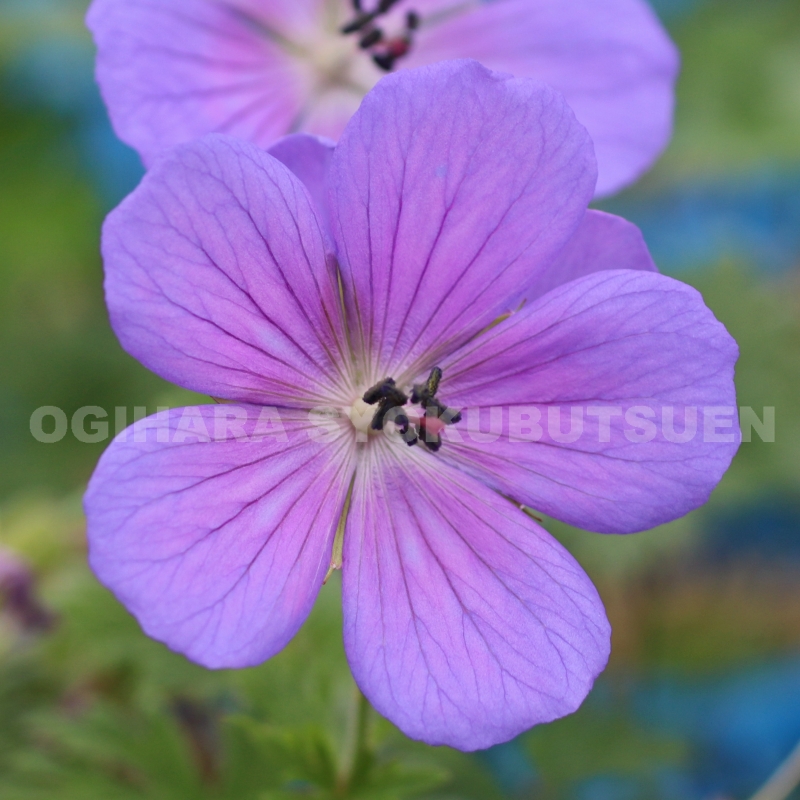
<point x="602" y="242"/>
<point x="465" y="622"/>
<point x="214" y="527"/>
<point x="451" y="188"/>
<point x="173" y="70"/>
<point x="309" y="158"/>
<point x="635" y="356"/>
<point x="216" y="278"/>
<point x="612" y="60"/>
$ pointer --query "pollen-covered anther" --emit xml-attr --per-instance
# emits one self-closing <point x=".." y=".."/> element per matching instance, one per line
<point x="425" y="395"/>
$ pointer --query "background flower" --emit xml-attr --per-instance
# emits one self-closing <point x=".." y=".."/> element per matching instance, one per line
<point x="172" y="70"/>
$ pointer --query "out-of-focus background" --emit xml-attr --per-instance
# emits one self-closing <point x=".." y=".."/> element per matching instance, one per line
<point x="701" y="700"/>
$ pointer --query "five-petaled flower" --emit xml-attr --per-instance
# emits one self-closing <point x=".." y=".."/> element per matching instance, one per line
<point x="454" y="194"/>
<point x="174" y="70"/>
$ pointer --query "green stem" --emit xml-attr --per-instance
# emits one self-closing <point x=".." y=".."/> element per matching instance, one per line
<point x="784" y="780"/>
<point x="362" y="750"/>
<point x="361" y="758"/>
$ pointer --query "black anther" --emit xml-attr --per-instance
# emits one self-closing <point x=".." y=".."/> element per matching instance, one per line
<point x="407" y="432"/>
<point x="425" y="395"/>
<point x="412" y="20"/>
<point x="360" y="22"/>
<point x="387" y="396"/>
<point x="373" y="37"/>
<point x="447" y="415"/>
<point x="385" y="5"/>
<point x="385" y="61"/>
<point x="390" y="401"/>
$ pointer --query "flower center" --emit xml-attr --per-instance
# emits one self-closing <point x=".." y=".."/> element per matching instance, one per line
<point x="391" y="400"/>
<point x="361" y="416"/>
<point x="384" y="49"/>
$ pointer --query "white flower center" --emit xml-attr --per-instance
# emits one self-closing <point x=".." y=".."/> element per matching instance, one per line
<point x="361" y="416"/>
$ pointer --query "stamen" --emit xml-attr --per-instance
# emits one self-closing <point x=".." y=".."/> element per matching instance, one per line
<point x="387" y="396"/>
<point x="361" y="21"/>
<point x="373" y="37"/>
<point x="384" y="60"/>
<point x="427" y="429"/>
<point x="423" y="392"/>
<point x="384" y="52"/>
<point x="425" y="395"/>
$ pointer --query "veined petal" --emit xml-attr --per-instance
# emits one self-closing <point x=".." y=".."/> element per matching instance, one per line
<point x="216" y="278"/>
<point x="602" y="242"/>
<point x="216" y="544"/>
<point x="173" y="70"/>
<point x="309" y="158"/>
<point x="643" y="366"/>
<point x="465" y="622"/>
<point x="612" y="60"/>
<point x="451" y="187"/>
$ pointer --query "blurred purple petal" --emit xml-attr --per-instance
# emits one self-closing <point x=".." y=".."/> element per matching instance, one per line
<point x="465" y="621"/>
<point x="451" y="187"/>
<point x="173" y="70"/>
<point x="612" y="340"/>
<point x="18" y="595"/>
<point x="217" y="547"/>
<point x="602" y="242"/>
<point x="612" y="60"/>
<point x="216" y="278"/>
<point x="309" y="158"/>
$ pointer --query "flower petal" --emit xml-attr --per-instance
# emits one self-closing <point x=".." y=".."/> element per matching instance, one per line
<point x="216" y="544"/>
<point x="328" y="112"/>
<point x="602" y="242"/>
<point x="618" y="347"/>
<point x="612" y="60"/>
<point x="173" y="70"/>
<point x="216" y="278"/>
<point x="465" y="622"/>
<point x="451" y="187"/>
<point x="309" y="158"/>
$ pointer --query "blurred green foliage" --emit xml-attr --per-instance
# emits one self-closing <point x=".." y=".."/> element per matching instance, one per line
<point x="738" y="103"/>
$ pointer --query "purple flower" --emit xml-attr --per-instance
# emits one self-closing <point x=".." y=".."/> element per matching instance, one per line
<point x="174" y="70"/>
<point x="18" y="595"/>
<point x="454" y="194"/>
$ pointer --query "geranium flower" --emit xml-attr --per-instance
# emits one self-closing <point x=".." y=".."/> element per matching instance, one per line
<point x="454" y="194"/>
<point x="173" y="70"/>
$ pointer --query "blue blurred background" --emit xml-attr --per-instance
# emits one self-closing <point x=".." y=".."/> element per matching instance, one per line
<point x="701" y="700"/>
